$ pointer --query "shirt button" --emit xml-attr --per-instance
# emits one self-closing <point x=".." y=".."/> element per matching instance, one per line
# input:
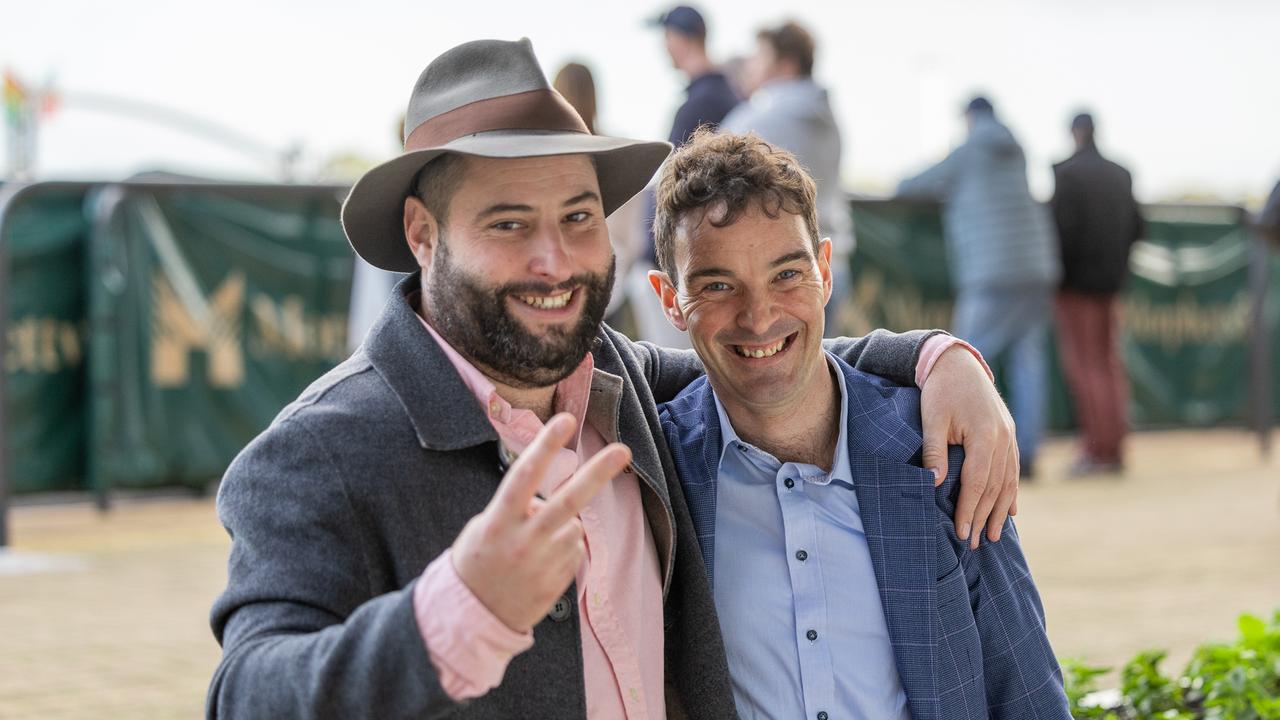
<point x="812" y="635"/>
<point x="802" y="555"/>
<point x="789" y="483"/>
<point x="822" y="715"/>
<point x="561" y="611"/>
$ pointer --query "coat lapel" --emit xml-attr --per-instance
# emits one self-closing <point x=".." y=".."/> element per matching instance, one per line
<point x="896" y="503"/>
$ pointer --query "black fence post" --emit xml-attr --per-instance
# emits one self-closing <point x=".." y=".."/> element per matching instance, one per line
<point x="4" y="374"/>
<point x="1260" y="332"/>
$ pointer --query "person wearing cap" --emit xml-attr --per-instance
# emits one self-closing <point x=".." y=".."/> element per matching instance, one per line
<point x="474" y="516"/>
<point x="791" y="111"/>
<point x="1098" y="220"/>
<point x="1003" y="263"/>
<point x="709" y="96"/>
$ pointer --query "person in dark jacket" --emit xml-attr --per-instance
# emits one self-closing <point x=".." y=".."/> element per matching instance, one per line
<point x="709" y="98"/>
<point x="1098" y="220"/>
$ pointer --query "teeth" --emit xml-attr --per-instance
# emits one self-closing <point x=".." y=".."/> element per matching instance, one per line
<point x="761" y="352"/>
<point x="548" y="303"/>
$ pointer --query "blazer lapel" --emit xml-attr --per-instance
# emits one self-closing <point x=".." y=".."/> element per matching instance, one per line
<point x="692" y="429"/>
<point x="896" y="503"/>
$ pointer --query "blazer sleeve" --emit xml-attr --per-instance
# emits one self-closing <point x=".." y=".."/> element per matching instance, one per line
<point x="890" y="355"/>
<point x="1020" y="670"/>
<point x="302" y="634"/>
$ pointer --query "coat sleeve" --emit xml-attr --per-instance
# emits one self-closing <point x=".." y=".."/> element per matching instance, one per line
<point x="887" y="354"/>
<point x="303" y="634"/>
<point x="935" y="183"/>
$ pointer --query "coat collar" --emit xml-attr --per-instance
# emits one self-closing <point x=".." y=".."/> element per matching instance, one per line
<point x="442" y="409"/>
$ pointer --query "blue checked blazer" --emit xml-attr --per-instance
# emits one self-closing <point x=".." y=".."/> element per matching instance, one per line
<point x="967" y="627"/>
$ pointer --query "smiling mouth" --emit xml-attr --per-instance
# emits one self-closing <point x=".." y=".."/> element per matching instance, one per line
<point x="757" y="352"/>
<point x="547" y="302"/>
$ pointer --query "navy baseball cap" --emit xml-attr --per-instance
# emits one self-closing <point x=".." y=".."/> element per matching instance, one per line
<point x="684" y="20"/>
<point x="979" y="105"/>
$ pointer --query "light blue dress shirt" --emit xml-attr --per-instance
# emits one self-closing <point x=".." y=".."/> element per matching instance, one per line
<point x="795" y="590"/>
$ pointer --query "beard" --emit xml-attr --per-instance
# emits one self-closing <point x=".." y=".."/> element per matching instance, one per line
<point x="473" y="317"/>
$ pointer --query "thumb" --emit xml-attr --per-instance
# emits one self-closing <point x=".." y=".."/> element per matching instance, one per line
<point x="935" y="454"/>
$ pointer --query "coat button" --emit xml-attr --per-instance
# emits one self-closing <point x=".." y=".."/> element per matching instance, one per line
<point x="562" y="610"/>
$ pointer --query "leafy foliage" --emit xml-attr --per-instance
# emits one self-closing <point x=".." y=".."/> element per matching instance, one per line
<point x="1240" y="681"/>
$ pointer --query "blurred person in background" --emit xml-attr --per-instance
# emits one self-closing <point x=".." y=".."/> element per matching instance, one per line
<point x="626" y="225"/>
<point x="1002" y="259"/>
<point x="791" y="111"/>
<point x="1098" y="221"/>
<point x="709" y="96"/>
<point x="1268" y="221"/>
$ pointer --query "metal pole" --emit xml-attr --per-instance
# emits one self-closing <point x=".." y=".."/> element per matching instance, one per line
<point x="1260" y="350"/>
<point x="4" y="372"/>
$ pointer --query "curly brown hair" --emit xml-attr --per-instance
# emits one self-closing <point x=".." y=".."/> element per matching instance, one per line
<point x="729" y="171"/>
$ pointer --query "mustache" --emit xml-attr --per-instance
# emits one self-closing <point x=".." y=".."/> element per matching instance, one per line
<point x="539" y="288"/>
<point x="780" y="329"/>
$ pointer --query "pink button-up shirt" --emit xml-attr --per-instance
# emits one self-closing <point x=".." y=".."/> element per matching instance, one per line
<point x="619" y="585"/>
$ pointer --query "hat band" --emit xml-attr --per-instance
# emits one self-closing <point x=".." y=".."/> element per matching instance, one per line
<point x="532" y="110"/>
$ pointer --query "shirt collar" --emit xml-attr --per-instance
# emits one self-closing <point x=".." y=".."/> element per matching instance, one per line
<point x="840" y="467"/>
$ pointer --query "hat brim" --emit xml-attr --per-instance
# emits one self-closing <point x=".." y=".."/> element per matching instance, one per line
<point x="373" y="213"/>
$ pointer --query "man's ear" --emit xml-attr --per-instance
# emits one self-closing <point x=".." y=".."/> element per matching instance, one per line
<point x="666" y="292"/>
<point x="824" y="268"/>
<point x="421" y="231"/>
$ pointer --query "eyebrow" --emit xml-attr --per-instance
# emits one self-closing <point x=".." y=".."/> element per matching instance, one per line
<point x="501" y="208"/>
<point x="790" y="257"/>
<point x="582" y="197"/>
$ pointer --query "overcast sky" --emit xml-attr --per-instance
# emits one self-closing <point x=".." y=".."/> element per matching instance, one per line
<point x="1186" y="93"/>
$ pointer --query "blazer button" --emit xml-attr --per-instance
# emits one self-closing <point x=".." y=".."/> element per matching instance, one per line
<point x="562" y="610"/>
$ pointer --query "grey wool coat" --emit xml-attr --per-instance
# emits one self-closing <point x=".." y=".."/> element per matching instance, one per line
<point x="337" y="508"/>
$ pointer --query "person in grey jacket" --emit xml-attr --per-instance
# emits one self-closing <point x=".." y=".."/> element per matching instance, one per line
<point x="1003" y="260"/>
<point x="791" y="111"/>
<point x="417" y="536"/>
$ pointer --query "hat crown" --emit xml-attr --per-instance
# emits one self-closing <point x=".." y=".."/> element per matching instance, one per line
<point x="474" y="71"/>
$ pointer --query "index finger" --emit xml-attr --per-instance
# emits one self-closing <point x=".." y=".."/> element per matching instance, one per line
<point x="526" y="473"/>
<point x="570" y="498"/>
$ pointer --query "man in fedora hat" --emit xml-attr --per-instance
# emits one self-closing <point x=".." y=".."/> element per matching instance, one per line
<point x="474" y="515"/>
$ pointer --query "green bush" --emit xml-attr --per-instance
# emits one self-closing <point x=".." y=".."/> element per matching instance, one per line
<point x="1240" y="681"/>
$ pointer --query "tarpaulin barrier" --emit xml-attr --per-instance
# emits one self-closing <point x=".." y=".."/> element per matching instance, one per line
<point x="1186" y="305"/>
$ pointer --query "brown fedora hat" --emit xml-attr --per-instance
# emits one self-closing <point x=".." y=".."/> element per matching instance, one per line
<point x="487" y="98"/>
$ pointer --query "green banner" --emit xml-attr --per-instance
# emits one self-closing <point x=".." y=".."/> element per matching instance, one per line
<point x="211" y="309"/>
<point x="1186" y="305"/>
<point x="45" y="235"/>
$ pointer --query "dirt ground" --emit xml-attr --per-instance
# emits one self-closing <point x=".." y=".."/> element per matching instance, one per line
<point x="106" y="616"/>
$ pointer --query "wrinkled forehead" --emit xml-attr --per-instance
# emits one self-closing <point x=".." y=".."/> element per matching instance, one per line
<point x="713" y="235"/>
